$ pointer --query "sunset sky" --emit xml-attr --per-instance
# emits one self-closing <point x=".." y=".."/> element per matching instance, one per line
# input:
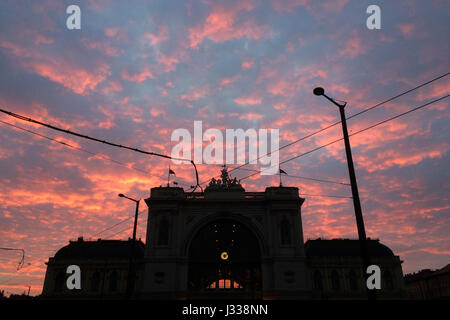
<point x="137" y="70"/>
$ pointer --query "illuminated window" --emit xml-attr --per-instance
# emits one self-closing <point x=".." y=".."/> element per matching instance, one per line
<point x="224" y="284"/>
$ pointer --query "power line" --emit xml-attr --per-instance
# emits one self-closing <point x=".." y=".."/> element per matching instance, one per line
<point x="115" y="225"/>
<point x="128" y="228"/>
<point x="355" y="133"/>
<point x="22" y="260"/>
<point x="15" y="115"/>
<point x="338" y="122"/>
<point x="111" y="227"/>
<point x="107" y="158"/>
<point x="74" y="147"/>
<point x="302" y="177"/>
<point x="324" y="195"/>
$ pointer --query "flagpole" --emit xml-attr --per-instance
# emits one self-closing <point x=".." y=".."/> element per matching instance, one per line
<point x="168" y="177"/>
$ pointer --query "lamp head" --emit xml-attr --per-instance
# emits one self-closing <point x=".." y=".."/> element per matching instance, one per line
<point x="319" y="91"/>
<point x="121" y="195"/>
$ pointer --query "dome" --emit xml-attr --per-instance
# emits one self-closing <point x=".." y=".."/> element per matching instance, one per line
<point x="345" y="248"/>
<point x="100" y="249"/>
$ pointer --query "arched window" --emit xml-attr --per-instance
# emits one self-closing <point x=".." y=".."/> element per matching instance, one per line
<point x="335" y="281"/>
<point x="113" y="279"/>
<point x="163" y="232"/>
<point x="95" y="281"/>
<point x="388" y="279"/>
<point x="285" y="230"/>
<point x="318" y="280"/>
<point x="225" y="255"/>
<point x="353" y="281"/>
<point x="59" y="282"/>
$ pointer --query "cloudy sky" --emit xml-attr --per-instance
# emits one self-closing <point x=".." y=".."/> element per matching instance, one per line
<point x="137" y="70"/>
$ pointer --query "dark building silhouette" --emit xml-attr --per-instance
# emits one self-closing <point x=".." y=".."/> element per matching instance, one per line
<point x="429" y="284"/>
<point x="336" y="271"/>
<point x="223" y="243"/>
<point x="104" y="268"/>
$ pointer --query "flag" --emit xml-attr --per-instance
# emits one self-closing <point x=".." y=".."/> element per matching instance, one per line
<point x="171" y="172"/>
<point x="282" y="171"/>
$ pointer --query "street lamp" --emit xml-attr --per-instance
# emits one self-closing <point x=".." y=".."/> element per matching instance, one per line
<point x="131" y="279"/>
<point x="121" y="195"/>
<point x="355" y="195"/>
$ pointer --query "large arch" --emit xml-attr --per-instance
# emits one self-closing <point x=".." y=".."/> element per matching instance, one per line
<point x="224" y="256"/>
<point x="264" y="249"/>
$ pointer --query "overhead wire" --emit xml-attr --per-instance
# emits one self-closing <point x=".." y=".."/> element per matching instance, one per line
<point x="355" y="133"/>
<point x="107" y="158"/>
<point x="338" y="122"/>
<point x="18" y="116"/>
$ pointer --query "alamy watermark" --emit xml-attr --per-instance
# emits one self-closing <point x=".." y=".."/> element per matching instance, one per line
<point x="228" y="148"/>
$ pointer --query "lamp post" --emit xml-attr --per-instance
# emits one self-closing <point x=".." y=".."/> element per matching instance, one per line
<point x="131" y="278"/>
<point x="135" y="215"/>
<point x="355" y="195"/>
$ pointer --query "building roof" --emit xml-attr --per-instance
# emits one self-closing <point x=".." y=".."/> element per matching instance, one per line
<point x="345" y="248"/>
<point x="100" y="249"/>
<point x="427" y="273"/>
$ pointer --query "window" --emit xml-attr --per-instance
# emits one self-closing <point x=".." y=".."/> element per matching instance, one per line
<point x="285" y="230"/>
<point x="335" y="281"/>
<point x="353" y="281"/>
<point x="163" y="233"/>
<point x="225" y="284"/>
<point x="113" y="278"/>
<point x="318" y="280"/>
<point x="59" y="282"/>
<point x="389" y="280"/>
<point x="95" y="281"/>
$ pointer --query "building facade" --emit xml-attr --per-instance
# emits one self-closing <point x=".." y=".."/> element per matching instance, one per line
<point x="223" y="243"/>
<point x="336" y="272"/>
<point x="225" y="240"/>
<point x="429" y="284"/>
<point x="104" y="264"/>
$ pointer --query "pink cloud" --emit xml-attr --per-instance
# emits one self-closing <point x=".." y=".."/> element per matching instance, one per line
<point x="161" y="36"/>
<point x="220" y="25"/>
<point x="195" y="94"/>
<point x="248" y="100"/>
<point x="169" y="63"/>
<point x="56" y="69"/>
<point x="108" y="123"/>
<point x="353" y="47"/>
<point x="251" y="116"/>
<point x="102" y="46"/>
<point x="406" y="29"/>
<point x="228" y="80"/>
<point x="247" y="64"/>
<point x="111" y="32"/>
<point x="436" y="90"/>
<point x="137" y="77"/>
<point x="333" y="5"/>
<point x="288" y="5"/>
<point x="42" y="39"/>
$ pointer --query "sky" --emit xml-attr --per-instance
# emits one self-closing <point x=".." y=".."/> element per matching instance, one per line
<point x="138" y="70"/>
